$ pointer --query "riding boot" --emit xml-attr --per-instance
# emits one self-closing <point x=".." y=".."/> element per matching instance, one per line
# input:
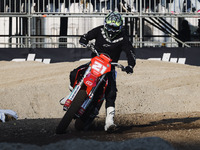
<point x="109" y="122"/>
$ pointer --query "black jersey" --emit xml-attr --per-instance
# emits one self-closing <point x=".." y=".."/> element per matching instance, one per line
<point x="111" y="47"/>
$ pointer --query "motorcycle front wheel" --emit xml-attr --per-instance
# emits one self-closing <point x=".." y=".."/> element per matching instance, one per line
<point x="69" y="115"/>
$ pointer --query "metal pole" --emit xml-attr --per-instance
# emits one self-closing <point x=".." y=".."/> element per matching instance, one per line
<point x="140" y="16"/>
<point x="29" y="23"/>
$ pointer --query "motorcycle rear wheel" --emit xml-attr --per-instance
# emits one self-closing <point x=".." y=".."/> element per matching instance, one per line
<point x="85" y="121"/>
<point x="83" y="125"/>
<point x="70" y="114"/>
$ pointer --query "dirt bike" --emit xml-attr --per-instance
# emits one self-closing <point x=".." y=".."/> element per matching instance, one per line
<point x="87" y="96"/>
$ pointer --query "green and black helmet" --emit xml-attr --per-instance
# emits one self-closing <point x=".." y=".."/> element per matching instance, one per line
<point x="113" y="24"/>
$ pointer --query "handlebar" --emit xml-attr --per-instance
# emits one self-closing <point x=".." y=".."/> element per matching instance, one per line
<point x="92" y="48"/>
<point x="118" y="65"/>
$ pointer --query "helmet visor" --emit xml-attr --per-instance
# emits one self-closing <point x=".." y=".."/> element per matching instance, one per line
<point x="112" y="28"/>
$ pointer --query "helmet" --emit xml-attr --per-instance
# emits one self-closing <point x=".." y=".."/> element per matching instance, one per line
<point x="113" y="24"/>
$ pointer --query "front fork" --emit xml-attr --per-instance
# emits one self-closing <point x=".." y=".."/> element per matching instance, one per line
<point x="74" y="92"/>
<point x="90" y="97"/>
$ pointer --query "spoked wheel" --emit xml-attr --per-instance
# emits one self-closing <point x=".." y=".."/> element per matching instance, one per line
<point x="69" y="115"/>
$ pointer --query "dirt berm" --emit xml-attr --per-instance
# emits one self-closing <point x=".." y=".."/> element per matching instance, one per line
<point x="156" y="91"/>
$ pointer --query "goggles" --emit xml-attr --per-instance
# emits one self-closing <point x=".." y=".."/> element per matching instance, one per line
<point x="112" y="28"/>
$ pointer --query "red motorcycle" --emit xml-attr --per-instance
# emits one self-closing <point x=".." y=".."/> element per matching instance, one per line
<point x="87" y="96"/>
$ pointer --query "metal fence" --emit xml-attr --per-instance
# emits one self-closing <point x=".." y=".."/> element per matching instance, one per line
<point x="100" y="6"/>
<point x="60" y="23"/>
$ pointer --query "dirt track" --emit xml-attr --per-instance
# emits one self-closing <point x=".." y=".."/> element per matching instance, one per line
<point x="160" y="99"/>
<point x="182" y="131"/>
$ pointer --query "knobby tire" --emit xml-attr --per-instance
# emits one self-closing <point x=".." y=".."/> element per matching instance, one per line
<point x="69" y="115"/>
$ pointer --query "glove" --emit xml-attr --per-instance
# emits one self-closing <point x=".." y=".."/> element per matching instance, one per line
<point x="129" y="69"/>
<point x="83" y="41"/>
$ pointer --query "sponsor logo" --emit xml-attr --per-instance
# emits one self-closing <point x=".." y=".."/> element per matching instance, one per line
<point x="89" y="83"/>
<point x="31" y="57"/>
<point x="166" y="57"/>
<point x="106" y="45"/>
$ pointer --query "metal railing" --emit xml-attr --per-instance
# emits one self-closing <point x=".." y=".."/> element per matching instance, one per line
<point x="38" y="42"/>
<point x="180" y="7"/>
<point x="33" y="16"/>
<point x="193" y="43"/>
<point x="53" y="45"/>
<point x="9" y="45"/>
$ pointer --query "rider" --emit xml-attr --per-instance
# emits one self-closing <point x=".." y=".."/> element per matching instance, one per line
<point x="110" y="39"/>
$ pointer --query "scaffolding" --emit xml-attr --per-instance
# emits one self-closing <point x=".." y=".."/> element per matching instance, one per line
<point x="60" y="23"/>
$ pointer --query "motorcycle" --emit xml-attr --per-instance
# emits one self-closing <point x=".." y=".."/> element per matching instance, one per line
<point x="86" y="98"/>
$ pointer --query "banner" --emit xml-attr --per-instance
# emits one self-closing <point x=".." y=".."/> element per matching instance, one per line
<point x="188" y="56"/>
